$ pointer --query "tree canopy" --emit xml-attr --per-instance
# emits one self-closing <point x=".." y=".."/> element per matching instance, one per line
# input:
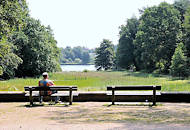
<point x="156" y="38"/>
<point x="125" y="51"/>
<point x="27" y="48"/>
<point x="37" y="48"/>
<point x="148" y="43"/>
<point x="105" y="55"/>
<point x="12" y="17"/>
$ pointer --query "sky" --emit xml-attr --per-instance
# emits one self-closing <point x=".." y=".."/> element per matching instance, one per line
<point x="86" y="22"/>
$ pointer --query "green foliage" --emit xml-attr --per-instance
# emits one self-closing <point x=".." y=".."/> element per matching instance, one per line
<point x="37" y="48"/>
<point x="9" y="60"/>
<point x="1" y="70"/>
<point x="187" y="31"/>
<point x="179" y="66"/>
<point x="152" y="39"/>
<point x="12" y="17"/>
<point x="125" y="51"/>
<point x="69" y="55"/>
<point x="187" y="20"/>
<point x="85" y="71"/>
<point x="78" y="61"/>
<point x="27" y="48"/>
<point x="157" y="36"/>
<point x="105" y="55"/>
<point x="78" y="52"/>
<point x="181" y="6"/>
<point x="3" y="51"/>
<point x="85" y="57"/>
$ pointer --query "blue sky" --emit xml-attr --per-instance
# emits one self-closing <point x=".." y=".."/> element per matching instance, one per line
<point x="86" y="22"/>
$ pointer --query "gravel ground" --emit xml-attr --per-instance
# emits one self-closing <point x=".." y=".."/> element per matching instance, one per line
<point x="94" y="116"/>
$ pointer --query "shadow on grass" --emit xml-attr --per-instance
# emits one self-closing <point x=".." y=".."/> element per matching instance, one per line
<point x="143" y="74"/>
<point x="177" y="78"/>
<point x="156" y="75"/>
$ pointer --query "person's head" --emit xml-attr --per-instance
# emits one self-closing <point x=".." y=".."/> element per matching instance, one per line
<point x="45" y="75"/>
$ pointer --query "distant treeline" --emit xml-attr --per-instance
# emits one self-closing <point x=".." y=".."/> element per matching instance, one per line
<point x="158" y="41"/>
<point x="77" y="55"/>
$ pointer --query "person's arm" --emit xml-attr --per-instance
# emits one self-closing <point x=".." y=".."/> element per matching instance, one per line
<point x="39" y="83"/>
<point x="51" y="83"/>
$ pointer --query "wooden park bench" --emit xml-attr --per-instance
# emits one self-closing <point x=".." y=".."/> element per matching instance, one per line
<point x="122" y="88"/>
<point x="70" y="89"/>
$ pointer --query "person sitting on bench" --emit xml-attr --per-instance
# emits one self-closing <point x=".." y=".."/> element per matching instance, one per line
<point x="45" y="82"/>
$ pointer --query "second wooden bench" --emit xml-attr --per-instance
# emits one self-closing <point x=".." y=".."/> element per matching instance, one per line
<point x="143" y="87"/>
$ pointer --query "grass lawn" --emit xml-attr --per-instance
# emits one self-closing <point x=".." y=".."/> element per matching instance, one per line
<point x="97" y="81"/>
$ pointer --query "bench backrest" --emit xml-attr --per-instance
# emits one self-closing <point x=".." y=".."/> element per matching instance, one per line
<point x="142" y="87"/>
<point x="58" y="88"/>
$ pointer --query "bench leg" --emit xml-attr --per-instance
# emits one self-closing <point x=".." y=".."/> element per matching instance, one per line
<point x="30" y="97"/>
<point x="113" y="96"/>
<point x="70" y="96"/>
<point x="40" y="99"/>
<point x="154" y="96"/>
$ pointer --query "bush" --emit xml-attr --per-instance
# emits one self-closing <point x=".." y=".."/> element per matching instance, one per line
<point x="85" y="70"/>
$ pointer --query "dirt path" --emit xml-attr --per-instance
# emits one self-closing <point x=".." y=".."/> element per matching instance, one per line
<point x="94" y="116"/>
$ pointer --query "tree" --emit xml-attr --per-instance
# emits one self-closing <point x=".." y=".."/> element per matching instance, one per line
<point x="158" y="33"/>
<point x="125" y="51"/>
<point x="78" y="61"/>
<point x="179" y="62"/>
<point x="37" y="48"/>
<point x="12" y="17"/>
<point x="85" y="57"/>
<point x="77" y="51"/>
<point x="186" y="35"/>
<point x="9" y="61"/>
<point x="187" y="31"/>
<point x="104" y="55"/>
<point x="181" y="6"/>
<point x="69" y="53"/>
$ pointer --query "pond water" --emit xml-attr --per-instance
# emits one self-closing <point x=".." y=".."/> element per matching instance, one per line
<point x="78" y="67"/>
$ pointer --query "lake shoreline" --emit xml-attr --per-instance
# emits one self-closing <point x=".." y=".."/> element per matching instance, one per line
<point x="78" y="67"/>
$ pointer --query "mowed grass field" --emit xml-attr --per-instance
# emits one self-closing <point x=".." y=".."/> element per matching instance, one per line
<point x="97" y="81"/>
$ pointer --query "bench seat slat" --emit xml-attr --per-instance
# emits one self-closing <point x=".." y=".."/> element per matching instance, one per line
<point x="60" y="94"/>
<point x="58" y="88"/>
<point x="34" y="94"/>
<point x="132" y="93"/>
<point x="63" y="94"/>
<point x="133" y="88"/>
